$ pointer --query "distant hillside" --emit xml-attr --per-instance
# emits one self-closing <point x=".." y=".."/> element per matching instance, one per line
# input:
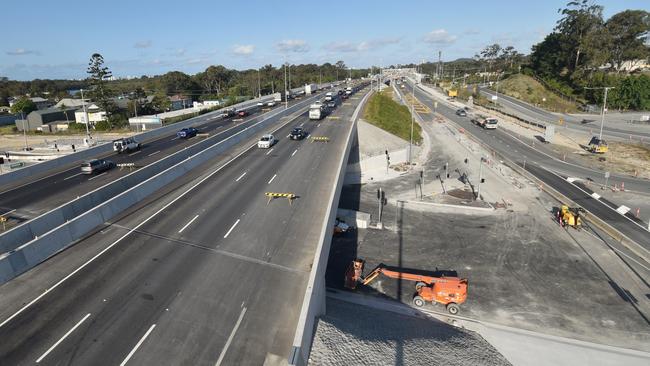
<point x="526" y="88"/>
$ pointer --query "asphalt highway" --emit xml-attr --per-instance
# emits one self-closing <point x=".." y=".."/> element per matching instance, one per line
<point x="206" y="273"/>
<point x="533" y="113"/>
<point x="30" y="199"/>
<point x="549" y="169"/>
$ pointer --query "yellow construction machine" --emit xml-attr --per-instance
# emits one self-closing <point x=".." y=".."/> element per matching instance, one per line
<point x="597" y="145"/>
<point x="570" y="216"/>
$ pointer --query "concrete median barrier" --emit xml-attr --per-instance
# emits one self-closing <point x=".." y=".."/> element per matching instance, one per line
<point x="314" y="301"/>
<point x="54" y="231"/>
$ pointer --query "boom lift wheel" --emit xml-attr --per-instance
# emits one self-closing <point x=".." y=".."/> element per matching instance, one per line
<point x="418" y="301"/>
<point x="453" y="308"/>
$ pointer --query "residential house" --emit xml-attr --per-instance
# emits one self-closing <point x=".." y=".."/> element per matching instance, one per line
<point x="72" y="103"/>
<point x="180" y="102"/>
<point x="95" y="114"/>
<point x="41" y="103"/>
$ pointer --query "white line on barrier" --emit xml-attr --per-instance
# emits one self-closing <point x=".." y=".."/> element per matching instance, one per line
<point x="97" y="176"/>
<point x="269" y="152"/>
<point x="128" y="357"/>
<point x="72" y="176"/>
<point x="137" y="152"/>
<point x="62" y="338"/>
<point x="154" y="153"/>
<point x="273" y="177"/>
<point x="240" y="177"/>
<point x="138" y="226"/>
<point x="231" y="229"/>
<point x="232" y="335"/>
<point x="188" y="224"/>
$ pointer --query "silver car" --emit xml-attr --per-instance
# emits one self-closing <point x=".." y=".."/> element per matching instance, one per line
<point x="96" y="166"/>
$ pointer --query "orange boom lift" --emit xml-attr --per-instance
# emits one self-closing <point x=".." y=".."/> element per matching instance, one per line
<point x="449" y="291"/>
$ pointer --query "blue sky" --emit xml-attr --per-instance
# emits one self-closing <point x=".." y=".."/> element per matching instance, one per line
<point x="54" y="39"/>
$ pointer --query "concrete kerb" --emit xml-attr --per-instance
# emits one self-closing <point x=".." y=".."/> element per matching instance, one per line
<point x="60" y="237"/>
<point x="314" y="300"/>
<point x="53" y="218"/>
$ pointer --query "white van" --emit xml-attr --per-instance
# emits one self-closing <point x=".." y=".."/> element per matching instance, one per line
<point x="126" y="144"/>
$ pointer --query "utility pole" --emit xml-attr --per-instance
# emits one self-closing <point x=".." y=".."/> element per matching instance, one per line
<point x="602" y="116"/>
<point x="25" y="124"/>
<point x="412" y="122"/>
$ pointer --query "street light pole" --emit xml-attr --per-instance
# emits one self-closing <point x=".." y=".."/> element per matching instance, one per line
<point x="83" y="104"/>
<point x="286" y="96"/>
<point x="480" y="179"/>
<point x="22" y="115"/>
<point x="602" y="116"/>
<point x="259" y="85"/>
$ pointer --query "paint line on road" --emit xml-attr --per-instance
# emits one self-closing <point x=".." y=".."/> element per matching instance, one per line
<point x="273" y="177"/>
<point x="97" y="176"/>
<point x="188" y="224"/>
<point x="294" y="152"/>
<point x="175" y="138"/>
<point x="302" y="124"/>
<point x="240" y="177"/>
<point x="595" y="195"/>
<point x="230" y="338"/>
<point x="128" y="357"/>
<point x="137" y="152"/>
<point x="231" y="229"/>
<point x="72" y="176"/>
<point x="62" y="338"/>
<point x="154" y="153"/>
<point x="269" y="152"/>
<point x="318" y="125"/>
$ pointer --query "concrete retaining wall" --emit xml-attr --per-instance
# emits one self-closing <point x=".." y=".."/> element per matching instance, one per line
<point x="314" y="301"/>
<point x="60" y="227"/>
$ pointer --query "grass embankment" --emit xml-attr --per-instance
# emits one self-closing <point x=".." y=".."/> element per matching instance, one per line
<point x="385" y="113"/>
<point x="532" y="91"/>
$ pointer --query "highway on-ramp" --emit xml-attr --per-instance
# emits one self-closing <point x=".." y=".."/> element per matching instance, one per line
<point x="207" y="273"/>
<point x="549" y="169"/>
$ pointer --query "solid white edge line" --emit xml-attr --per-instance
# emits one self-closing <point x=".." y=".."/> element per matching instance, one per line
<point x="230" y="338"/>
<point x="273" y="177"/>
<point x="188" y="224"/>
<point x="128" y="357"/>
<point x="240" y="177"/>
<point x="62" y="338"/>
<point x="29" y="304"/>
<point x="231" y="229"/>
<point x="120" y="239"/>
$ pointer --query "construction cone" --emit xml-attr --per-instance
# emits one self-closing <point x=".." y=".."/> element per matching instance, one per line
<point x="638" y="211"/>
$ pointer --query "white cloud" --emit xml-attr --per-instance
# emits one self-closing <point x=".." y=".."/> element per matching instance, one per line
<point x="439" y="37"/>
<point x="21" y="52"/>
<point x="370" y="45"/>
<point x="243" y="50"/>
<point x="142" y="44"/>
<point x="293" y="45"/>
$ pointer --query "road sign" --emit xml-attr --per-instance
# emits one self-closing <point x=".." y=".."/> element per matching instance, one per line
<point x="494" y="97"/>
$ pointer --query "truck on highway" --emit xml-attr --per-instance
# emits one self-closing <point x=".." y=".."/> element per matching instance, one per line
<point x="310" y="88"/>
<point x="488" y="123"/>
<point x="277" y="97"/>
<point x="316" y="111"/>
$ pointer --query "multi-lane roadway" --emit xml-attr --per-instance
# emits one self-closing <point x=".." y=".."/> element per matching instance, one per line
<point x="540" y="161"/>
<point x="207" y="273"/>
<point x="25" y="200"/>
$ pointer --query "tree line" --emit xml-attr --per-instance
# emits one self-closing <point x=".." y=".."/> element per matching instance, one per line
<point x="586" y="52"/>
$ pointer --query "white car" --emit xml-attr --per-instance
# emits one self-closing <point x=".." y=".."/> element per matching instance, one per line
<point x="266" y="141"/>
<point x="260" y="104"/>
<point x="270" y="104"/>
